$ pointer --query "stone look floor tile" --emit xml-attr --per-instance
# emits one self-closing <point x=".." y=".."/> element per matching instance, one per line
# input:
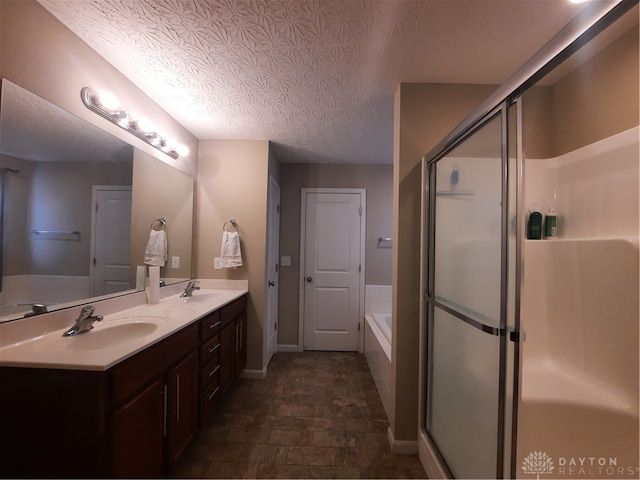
<point x="296" y="438"/>
<point x="248" y="435"/>
<point x="231" y="470"/>
<point x="269" y="454"/>
<point x="283" y="471"/>
<point x="310" y="456"/>
<point x="334" y="472"/>
<point x="315" y="415"/>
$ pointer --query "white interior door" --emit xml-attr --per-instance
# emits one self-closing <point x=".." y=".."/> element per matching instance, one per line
<point x="332" y="265"/>
<point x="111" y="239"/>
<point x="273" y="251"/>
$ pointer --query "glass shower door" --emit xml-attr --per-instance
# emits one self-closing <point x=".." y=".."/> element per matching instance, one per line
<point x="466" y="306"/>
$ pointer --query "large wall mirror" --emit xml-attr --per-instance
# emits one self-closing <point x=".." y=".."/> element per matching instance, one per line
<point x="77" y="209"/>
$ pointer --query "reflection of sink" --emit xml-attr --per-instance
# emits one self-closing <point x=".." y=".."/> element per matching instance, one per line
<point x="203" y="297"/>
<point x="105" y="336"/>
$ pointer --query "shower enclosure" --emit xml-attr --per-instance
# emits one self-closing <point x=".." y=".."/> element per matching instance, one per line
<point x="530" y="347"/>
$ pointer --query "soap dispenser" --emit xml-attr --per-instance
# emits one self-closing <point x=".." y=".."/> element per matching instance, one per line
<point x="534" y="226"/>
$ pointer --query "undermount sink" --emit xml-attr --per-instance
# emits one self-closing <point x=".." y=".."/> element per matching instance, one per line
<point x="113" y="333"/>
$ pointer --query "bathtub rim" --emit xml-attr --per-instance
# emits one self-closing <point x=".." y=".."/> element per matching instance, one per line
<point x="383" y="340"/>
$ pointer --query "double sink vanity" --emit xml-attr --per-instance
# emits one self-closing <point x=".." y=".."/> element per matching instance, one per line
<point x="125" y="398"/>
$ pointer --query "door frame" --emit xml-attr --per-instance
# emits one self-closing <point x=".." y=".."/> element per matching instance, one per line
<point x="363" y="224"/>
<point x="273" y="227"/>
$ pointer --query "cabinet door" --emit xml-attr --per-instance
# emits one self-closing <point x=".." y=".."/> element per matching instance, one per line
<point x="241" y="350"/>
<point x="227" y="355"/>
<point x="182" y="406"/>
<point x="137" y="430"/>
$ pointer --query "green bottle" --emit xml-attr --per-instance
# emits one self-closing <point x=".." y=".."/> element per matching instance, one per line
<point x="534" y="226"/>
<point x="551" y="223"/>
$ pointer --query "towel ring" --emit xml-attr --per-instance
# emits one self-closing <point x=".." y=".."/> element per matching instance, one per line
<point x="232" y="222"/>
<point x="162" y="224"/>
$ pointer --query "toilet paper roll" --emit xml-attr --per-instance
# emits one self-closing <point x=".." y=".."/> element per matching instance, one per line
<point x="153" y="296"/>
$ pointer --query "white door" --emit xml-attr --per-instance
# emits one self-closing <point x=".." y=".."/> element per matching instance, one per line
<point x="111" y="240"/>
<point x="332" y="265"/>
<point x="273" y="251"/>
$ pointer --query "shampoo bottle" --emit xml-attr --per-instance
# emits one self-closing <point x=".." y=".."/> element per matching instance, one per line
<point x="534" y="226"/>
<point x="551" y="223"/>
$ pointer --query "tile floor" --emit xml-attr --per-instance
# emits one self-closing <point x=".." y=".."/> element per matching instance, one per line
<point x="315" y="415"/>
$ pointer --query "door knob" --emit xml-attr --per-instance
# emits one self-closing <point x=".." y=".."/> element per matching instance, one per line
<point x="309" y="279"/>
<point x="271" y="284"/>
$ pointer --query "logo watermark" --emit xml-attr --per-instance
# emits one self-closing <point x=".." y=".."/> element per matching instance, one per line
<point x="539" y="463"/>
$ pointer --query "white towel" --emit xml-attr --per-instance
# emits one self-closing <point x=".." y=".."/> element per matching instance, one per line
<point x="156" y="252"/>
<point x="230" y="254"/>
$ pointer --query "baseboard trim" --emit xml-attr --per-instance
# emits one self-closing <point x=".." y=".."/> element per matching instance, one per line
<point x="254" y="374"/>
<point x="288" y="348"/>
<point x="401" y="447"/>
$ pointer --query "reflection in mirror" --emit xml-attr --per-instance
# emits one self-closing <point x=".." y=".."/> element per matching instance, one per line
<point x="58" y="249"/>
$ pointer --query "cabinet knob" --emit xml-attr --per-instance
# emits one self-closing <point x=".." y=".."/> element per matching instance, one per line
<point x="309" y="279"/>
<point x="272" y="284"/>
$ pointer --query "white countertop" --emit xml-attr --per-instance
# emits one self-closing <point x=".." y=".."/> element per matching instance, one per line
<point x="112" y="340"/>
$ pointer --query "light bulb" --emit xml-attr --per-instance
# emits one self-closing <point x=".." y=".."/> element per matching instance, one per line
<point x="182" y="150"/>
<point x="108" y="100"/>
<point x="145" y="125"/>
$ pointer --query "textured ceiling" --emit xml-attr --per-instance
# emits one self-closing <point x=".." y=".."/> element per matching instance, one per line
<point x="316" y="77"/>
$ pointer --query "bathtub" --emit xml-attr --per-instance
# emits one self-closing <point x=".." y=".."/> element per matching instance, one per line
<point x="377" y="339"/>
<point x="579" y="395"/>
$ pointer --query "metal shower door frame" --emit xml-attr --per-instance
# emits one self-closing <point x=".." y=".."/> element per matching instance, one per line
<point x="429" y="292"/>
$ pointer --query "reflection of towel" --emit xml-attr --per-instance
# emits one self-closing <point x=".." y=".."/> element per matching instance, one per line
<point x="230" y="254"/>
<point x="156" y="251"/>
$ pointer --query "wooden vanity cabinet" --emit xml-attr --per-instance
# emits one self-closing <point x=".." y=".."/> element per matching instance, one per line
<point x="132" y="420"/>
<point x="209" y="384"/>
<point x="138" y="435"/>
<point x="233" y="341"/>
<point x="150" y="429"/>
<point x="241" y="349"/>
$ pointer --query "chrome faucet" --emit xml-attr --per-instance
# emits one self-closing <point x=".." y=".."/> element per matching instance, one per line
<point x="36" y="309"/>
<point x="188" y="290"/>
<point x="84" y="322"/>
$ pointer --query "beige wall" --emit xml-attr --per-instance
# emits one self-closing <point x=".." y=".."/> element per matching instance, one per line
<point x="377" y="180"/>
<point x="40" y="54"/>
<point x="599" y="98"/>
<point x="232" y="183"/>
<point x="423" y="115"/>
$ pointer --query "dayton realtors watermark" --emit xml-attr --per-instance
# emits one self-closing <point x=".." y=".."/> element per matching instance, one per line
<point x="539" y="463"/>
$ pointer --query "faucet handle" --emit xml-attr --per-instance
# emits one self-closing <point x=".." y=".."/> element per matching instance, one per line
<point x="36" y="308"/>
<point x="87" y="311"/>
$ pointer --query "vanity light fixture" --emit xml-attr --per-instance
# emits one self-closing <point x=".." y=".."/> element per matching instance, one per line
<point x="106" y="105"/>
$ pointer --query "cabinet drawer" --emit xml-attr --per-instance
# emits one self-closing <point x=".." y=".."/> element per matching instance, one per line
<point x="137" y="371"/>
<point x="209" y="350"/>
<point x="209" y="401"/>
<point x="209" y="373"/>
<point x="230" y="312"/>
<point x="210" y="325"/>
